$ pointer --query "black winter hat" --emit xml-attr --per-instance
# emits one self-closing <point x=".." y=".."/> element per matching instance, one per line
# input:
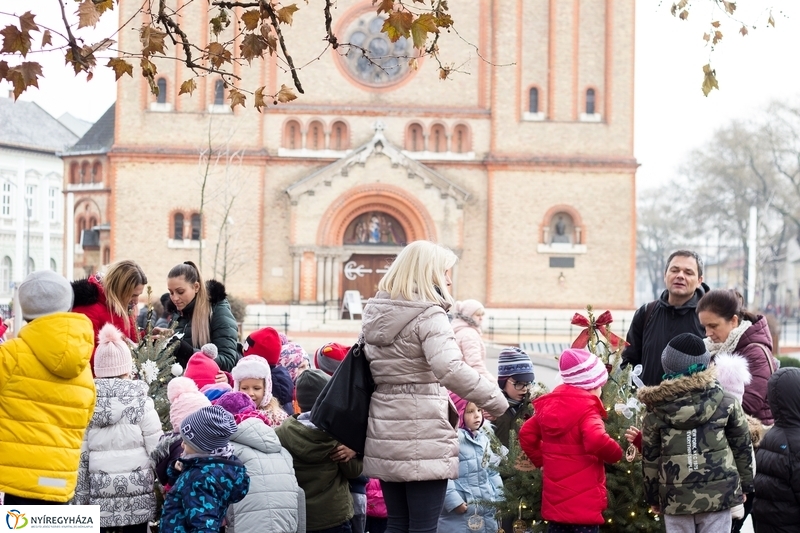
<point x="683" y="351"/>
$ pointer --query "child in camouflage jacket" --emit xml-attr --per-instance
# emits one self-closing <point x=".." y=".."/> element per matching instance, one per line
<point x="209" y="476"/>
<point x="696" y="448"/>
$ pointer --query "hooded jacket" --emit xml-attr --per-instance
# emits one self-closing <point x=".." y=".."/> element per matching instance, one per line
<point x="222" y="326"/>
<point x="412" y="352"/>
<point x="777" y="503"/>
<point x="648" y="340"/>
<point x="115" y="471"/>
<point x="567" y="437"/>
<point x="327" y="491"/>
<point x="468" y="338"/>
<point x="761" y="364"/>
<point x="271" y="503"/>
<point x="47" y="396"/>
<point x="696" y="449"/>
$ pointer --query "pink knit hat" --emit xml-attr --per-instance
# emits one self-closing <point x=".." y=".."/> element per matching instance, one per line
<point x="201" y="367"/>
<point x="253" y="367"/>
<point x="113" y="356"/>
<point x="184" y="399"/>
<point x="581" y="368"/>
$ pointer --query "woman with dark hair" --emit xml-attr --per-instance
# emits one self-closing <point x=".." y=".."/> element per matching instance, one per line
<point x="203" y="314"/>
<point x="732" y="329"/>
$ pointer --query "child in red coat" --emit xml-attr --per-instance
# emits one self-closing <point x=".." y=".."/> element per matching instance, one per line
<point x="567" y="438"/>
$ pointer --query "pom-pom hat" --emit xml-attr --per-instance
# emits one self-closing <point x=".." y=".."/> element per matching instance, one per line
<point x="202" y="368"/>
<point x="112" y="358"/>
<point x="265" y="343"/>
<point x="581" y="368"/>
<point x="514" y="363"/>
<point x="329" y="356"/>
<point x="253" y="367"/>
<point x="184" y="398"/>
<point x="683" y="352"/>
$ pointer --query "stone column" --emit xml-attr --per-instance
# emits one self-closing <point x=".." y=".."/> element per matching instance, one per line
<point x="320" y="278"/>
<point x="295" y="277"/>
<point x="328" y="260"/>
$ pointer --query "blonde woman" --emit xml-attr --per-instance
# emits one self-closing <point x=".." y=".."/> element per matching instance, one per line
<point x="467" y="320"/>
<point x="111" y="298"/>
<point x="204" y="316"/>
<point x="412" y="444"/>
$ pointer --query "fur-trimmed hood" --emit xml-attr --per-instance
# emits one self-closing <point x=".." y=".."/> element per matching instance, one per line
<point x="87" y="291"/>
<point x="216" y="293"/>
<point x="757" y="430"/>
<point x="684" y="402"/>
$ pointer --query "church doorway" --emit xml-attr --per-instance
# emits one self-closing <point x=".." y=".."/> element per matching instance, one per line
<point x="363" y="272"/>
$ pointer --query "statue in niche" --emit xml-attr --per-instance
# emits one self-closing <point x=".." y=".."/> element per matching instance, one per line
<point x="560" y="231"/>
<point x="375" y="228"/>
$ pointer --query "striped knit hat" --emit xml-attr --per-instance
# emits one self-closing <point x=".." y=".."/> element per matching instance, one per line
<point x="208" y="429"/>
<point x="582" y="369"/>
<point x="514" y="363"/>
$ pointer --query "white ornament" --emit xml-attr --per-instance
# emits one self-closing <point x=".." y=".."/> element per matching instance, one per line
<point x="627" y="409"/>
<point x="177" y="369"/>
<point x="149" y="371"/>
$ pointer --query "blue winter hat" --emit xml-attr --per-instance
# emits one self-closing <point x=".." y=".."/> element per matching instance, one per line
<point x="208" y="429"/>
<point x="514" y="363"/>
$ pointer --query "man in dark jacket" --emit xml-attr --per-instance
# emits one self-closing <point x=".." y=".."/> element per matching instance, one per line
<point x="656" y="323"/>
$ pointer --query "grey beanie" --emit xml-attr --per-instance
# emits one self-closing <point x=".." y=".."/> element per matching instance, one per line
<point x="683" y="351"/>
<point x="43" y="293"/>
<point x="308" y="386"/>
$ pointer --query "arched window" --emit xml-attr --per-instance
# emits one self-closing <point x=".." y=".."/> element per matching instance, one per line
<point x="74" y="172"/>
<point x="161" y="83"/>
<point x="80" y="226"/>
<point x="415" y="142"/>
<point x="177" y="227"/>
<point x="340" y="140"/>
<point x="196" y="227"/>
<point x="97" y="172"/>
<point x="106" y="255"/>
<point x="460" y="141"/>
<point x="438" y="139"/>
<point x="292" y="137"/>
<point x="85" y="169"/>
<point x="53" y="266"/>
<point x="5" y="275"/>
<point x="219" y="92"/>
<point x="533" y="100"/>
<point x="315" y="140"/>
<point x="92" y="223"/>
<point x="590" y="102"/>
<point x="30" y="266"/>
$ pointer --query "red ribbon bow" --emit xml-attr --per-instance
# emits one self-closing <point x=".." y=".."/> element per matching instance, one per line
<point x="601" y="325"/>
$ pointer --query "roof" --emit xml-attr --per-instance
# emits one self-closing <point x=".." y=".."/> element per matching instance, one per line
<point x="76" y="125"/>
<point x="29" y="127"/>
<point x="99" y="138"/>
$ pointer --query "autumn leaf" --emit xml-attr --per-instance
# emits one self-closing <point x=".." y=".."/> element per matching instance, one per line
<point x="149" y="71"/>
<point x="270" y="38"/>
<point x="684" y="15"/>
<point x="771" y="21"/>
<point x="26" y="22"/>
<point x="120" y="67"/>
<point x="251" y="19"/>
<point x="3" y="69"/>
<point x="152" y="40"/>
<point x="709" y="80"/>
<point x="743" y="30"/>
<point x="421" y="27"/>
<point x="398" y="25"/>
<point x="258" y="101"/>
<point x="15" y="41"/>
<point x="105" y="44"/>
<point x="236" y="98"/>
<point x="88" y="14"/>
<point x="444" y="20"/>
<point x="443" y="73"/>
<point x="23" y="76"/>
<point x="285" y="14"/>
<point x="730" y="7"/>
<point x="85" y="62"/>
<point x="217" y="54"/>
<point x="252" y="46"/>
<point x="386" y="6"/>
<point x="46" y="38"/>
<point x="188" y="87"/>
<point x="706" y="37"/>
<point x="413" y="64"/>
<point x="286" y="94"/>
<point x="716" y="24"/>
<point x="717" y="37"/>
<point x="103" y="5"/>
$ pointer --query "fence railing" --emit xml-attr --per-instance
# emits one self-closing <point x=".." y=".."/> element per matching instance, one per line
<point x="543" y="329"/>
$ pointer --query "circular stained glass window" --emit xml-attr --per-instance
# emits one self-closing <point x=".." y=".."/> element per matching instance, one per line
<point x="372" y="59"/>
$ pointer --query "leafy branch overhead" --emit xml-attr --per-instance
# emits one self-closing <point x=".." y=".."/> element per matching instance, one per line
<point x="239" y="32"/>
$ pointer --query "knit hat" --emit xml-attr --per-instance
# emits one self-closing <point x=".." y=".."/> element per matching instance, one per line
<point x="112" y="358"/>
<point x="461" y="407"/>
<point x="682" y="352"/>
<point x="581" y="368"/>
<point x="208" y="429"/>
<point x="253" y="367"/>
<point x="201" y="366"/>
<point x="235" y="402"/>
<point x="265" y="343"/>
<point x="329" y="356"/>
<point x="292" y="356"/>
<point x="514" y="363"/>
<point x="184" y="399"/>
<point x="467" y="308"/>
<point x="282" y="385"/>
<point x="732" y="373"/>
<point x="43" y="293"/>
<point x="309" y="384"/>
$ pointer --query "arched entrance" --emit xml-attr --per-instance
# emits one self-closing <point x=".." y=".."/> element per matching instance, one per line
<point x="376" y="232"/>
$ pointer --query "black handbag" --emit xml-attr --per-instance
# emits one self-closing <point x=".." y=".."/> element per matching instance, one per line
<point x="342" y="408"/>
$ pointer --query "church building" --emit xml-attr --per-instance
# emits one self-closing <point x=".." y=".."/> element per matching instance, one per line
<point x="521" y="162"/>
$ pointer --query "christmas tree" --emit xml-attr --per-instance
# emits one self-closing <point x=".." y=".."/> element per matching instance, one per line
<point x="154" y="364"/>
<point x="627" y="510"/>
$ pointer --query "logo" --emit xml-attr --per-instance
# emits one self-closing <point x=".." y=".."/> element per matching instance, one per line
<point x="16" y="519"/>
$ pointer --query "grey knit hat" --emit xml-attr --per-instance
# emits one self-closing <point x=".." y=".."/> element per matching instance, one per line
<point x="309" y="384"/>
<point x="208" y="428"/>
<point x="43" y="293"/>
<point x="683" y="351"/>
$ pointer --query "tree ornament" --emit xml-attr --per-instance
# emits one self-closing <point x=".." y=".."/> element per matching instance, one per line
<point x="475" y="522"/>
<point x="630" y="453"/>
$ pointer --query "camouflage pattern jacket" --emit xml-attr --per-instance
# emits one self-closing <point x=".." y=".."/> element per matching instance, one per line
<point x="696" y="448"/>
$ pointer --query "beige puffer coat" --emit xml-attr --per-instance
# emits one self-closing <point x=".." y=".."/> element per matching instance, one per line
<point x="412" y="352"/>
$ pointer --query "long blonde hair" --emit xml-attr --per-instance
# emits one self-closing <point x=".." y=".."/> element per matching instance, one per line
<point x="418" y="271"/>
<point x="201" y="316"/>
<point x="119" y="282"/>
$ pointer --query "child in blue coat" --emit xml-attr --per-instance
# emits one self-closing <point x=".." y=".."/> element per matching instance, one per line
<point x="207" y="478"/>
<point x="477" y="480"/>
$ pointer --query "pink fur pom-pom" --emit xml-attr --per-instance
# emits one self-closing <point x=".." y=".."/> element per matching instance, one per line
<point x="180" y="385"/>
<point x="209" y="350"/>
<point x="109" y="334"/>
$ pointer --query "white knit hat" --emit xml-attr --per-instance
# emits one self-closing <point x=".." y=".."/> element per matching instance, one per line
<point x="112" y="358"/>
<point x="732" y="373"/>
<point x="253" y="367"/>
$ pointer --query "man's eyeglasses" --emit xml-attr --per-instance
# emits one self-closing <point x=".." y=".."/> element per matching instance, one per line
<point x="520" y="385"/>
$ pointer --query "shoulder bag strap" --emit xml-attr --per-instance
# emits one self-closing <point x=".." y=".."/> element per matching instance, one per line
<point x="769" y="357"/>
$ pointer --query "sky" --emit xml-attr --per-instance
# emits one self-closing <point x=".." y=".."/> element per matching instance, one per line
<point x="672" y="117"/>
